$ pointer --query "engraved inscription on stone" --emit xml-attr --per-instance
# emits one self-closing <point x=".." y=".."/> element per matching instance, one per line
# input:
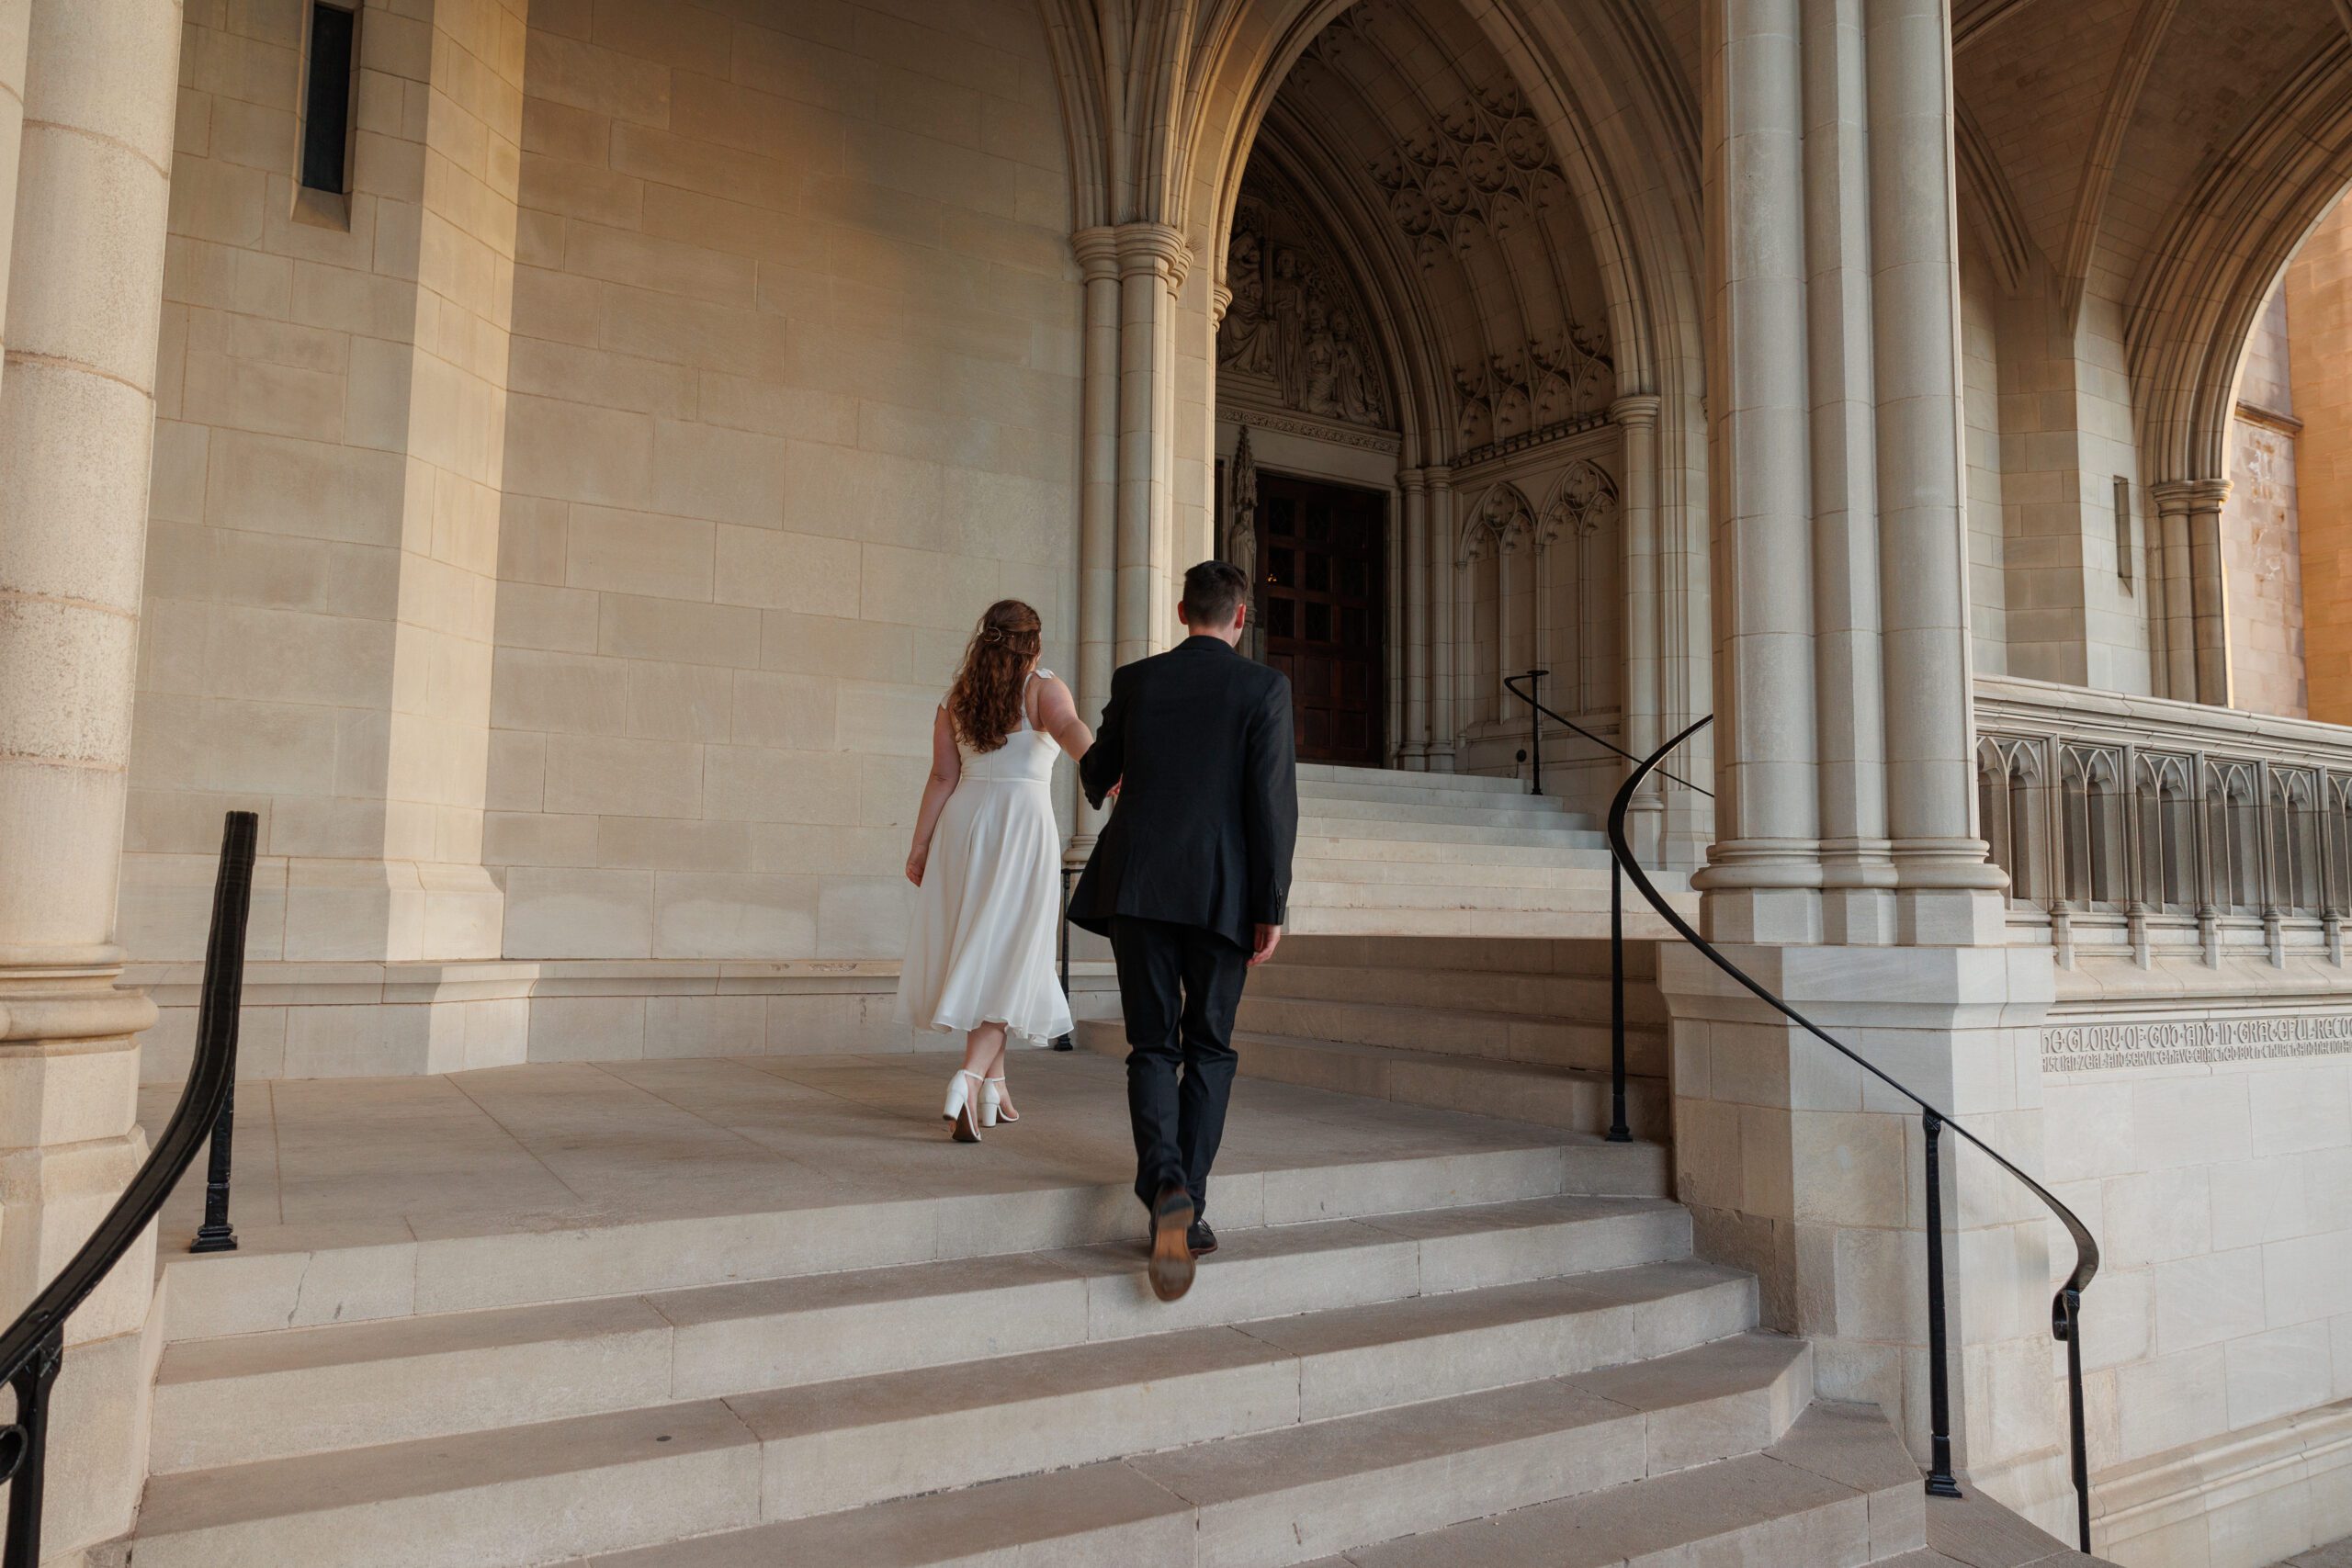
<point x="2088" y="1047"/>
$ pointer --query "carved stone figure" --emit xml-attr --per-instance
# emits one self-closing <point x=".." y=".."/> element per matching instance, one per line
<point x="1247" y="338"/>
<point x="1293" y="321"/>
<point x="1350" y="385"/>
<point x="1288" y="301"/>
<point x="1241" y="538"/>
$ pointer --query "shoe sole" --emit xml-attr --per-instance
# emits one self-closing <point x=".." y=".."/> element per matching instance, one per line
<point x="1171" y="1255"/>
<point x="967" y="1130"/>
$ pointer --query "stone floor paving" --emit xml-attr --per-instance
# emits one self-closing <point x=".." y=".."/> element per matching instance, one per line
<point x="559" y="1145"/>
<point x="2337" y="1555"/>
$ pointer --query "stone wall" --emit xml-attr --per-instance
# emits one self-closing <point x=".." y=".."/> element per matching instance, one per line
<point x="2200" y="1120"/>
<point x="563" y="544"/>
<point x="2318" y="303"/>
<point x="795" y="397"/>
<point x="2260" y="550"/>
<point x="323" y="518"/>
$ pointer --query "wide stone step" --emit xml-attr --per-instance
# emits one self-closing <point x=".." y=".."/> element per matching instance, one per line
<point x="1576" y="907"/>
<point x="1539" y="812"/>
<point x="370" y="1278"/>
<point x="1559" y="1097"/>
<point x="1301" y="1493"/>
<point x="1448" y="1031"/>
<point x="1315" y="774"/>
<point x="1837" y="1488"/>
<point x="1285" y="1490"/>
<point x="1489" y="833"/>
<point x="1465" y="955"/>
<point x="262" y="1396"/>
<point x="1578" y="850"/>
<point x="867" y="1440"/>
<point x="1581" y="880"/>
<point x="1580" y="1001"/>
<point x="1421" y="793"/>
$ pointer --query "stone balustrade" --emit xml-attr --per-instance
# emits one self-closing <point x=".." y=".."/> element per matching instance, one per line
<point x="2139" y="822"/>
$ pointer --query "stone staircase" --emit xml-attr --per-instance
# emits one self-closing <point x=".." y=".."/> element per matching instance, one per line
<point x="1497" y="1349"/>
<point x="1448" y="855"/>
<point x="1513" y="1029"/>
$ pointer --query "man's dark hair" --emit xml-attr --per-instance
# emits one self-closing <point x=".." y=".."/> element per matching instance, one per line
<point x="1212" y="590"/>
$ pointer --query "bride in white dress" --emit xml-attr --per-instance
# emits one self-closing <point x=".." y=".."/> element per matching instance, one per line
<point x="987" y="864"/>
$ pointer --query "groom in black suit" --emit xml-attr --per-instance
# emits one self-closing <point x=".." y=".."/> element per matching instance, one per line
<point x="1189" y="881"/>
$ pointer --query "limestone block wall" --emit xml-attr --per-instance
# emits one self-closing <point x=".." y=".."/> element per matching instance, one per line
<point x="795" y="396"/>
<point x="2262" y="565"/>
<point x="320" y="578"/>
<point x="2200" y="1119"/>
<point x="2261" y="556"/>
<point x="2318" y="305"/>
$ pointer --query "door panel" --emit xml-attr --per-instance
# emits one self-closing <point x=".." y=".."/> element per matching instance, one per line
<point x="1326" y="558"/>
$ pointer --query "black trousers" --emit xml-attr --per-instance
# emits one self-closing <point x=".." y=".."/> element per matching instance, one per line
<point x="1179" y="986"/>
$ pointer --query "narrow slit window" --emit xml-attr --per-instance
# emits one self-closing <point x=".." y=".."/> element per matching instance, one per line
<point x="2123" y="541"/>
<point x="327" y="106"/>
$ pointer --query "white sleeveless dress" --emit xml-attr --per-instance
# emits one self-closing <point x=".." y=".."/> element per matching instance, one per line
<point x="980" y="938"/>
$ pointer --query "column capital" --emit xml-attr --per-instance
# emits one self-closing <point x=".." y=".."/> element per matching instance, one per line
<point x="1219" y="298"/>
<point x="1153" y="247"/>
<point x="1637" y="408"/>
<point x="2188" y="495"/>
<point x="1097" y="251"/>
<point x="1438" y="476"/>
<point x="1411" y="480"/>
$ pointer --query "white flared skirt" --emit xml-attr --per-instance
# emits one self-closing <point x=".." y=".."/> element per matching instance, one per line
<point x="982" y="928"/>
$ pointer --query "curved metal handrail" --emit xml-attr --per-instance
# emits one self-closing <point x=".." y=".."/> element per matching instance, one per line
<point x="31" y="1346"/>
<point x="2065" y="1309"/>
<point x="1511" y="684"/>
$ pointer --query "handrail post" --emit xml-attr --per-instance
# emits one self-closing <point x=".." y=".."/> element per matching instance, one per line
<point x="1066" y="1041"/>
<point x="1939" y="1477"/>
<point x="32" y="1384"/>
<point x="1535" y="730"/>
<point x="1618" y="1132"/>
<point x="2070" y="1329"/>
<point x="217" y="1235"/>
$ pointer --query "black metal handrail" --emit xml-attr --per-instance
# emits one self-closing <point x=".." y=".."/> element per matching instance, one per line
<point x="1619" y="1131"/>
<point x="2065" y="1309"/>
<point x="32" y="1347"/>
<point x="1538" y="712"/>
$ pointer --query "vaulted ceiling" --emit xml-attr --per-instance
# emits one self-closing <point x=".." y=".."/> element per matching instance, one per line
<point x="1405" y="133"/>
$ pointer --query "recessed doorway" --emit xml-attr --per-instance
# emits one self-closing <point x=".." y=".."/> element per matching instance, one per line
<point x="1326" y="555"/>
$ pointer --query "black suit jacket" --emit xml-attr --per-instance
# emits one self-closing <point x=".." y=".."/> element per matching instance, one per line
<point x="1198" y="739"/>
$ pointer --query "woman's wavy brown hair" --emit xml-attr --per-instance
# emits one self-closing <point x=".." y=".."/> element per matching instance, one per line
<point x="985" y="703"/>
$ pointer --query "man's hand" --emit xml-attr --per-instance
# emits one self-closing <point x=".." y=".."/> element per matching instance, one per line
<point x="1269" y="938"/>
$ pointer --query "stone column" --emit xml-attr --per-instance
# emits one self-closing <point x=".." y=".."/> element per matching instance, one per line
<point x="85" y="278"/>
<point x="1762" y="877"/>
<point x="1147" y="256"/>
<point x="1645" y="654"/>
<point x="1445" y="709"/>
<point x="1947" y="892"/>
<point x="1097" y="536"/>
<point x="1414" y="585"/>
<point x="1857" y="873"/>
<point x="2208" y="592"/>
<point x="1842" y="657"/>
<point x="2178" y="677"/>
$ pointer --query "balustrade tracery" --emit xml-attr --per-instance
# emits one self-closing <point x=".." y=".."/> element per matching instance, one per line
<point x="2121" y="814"/>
